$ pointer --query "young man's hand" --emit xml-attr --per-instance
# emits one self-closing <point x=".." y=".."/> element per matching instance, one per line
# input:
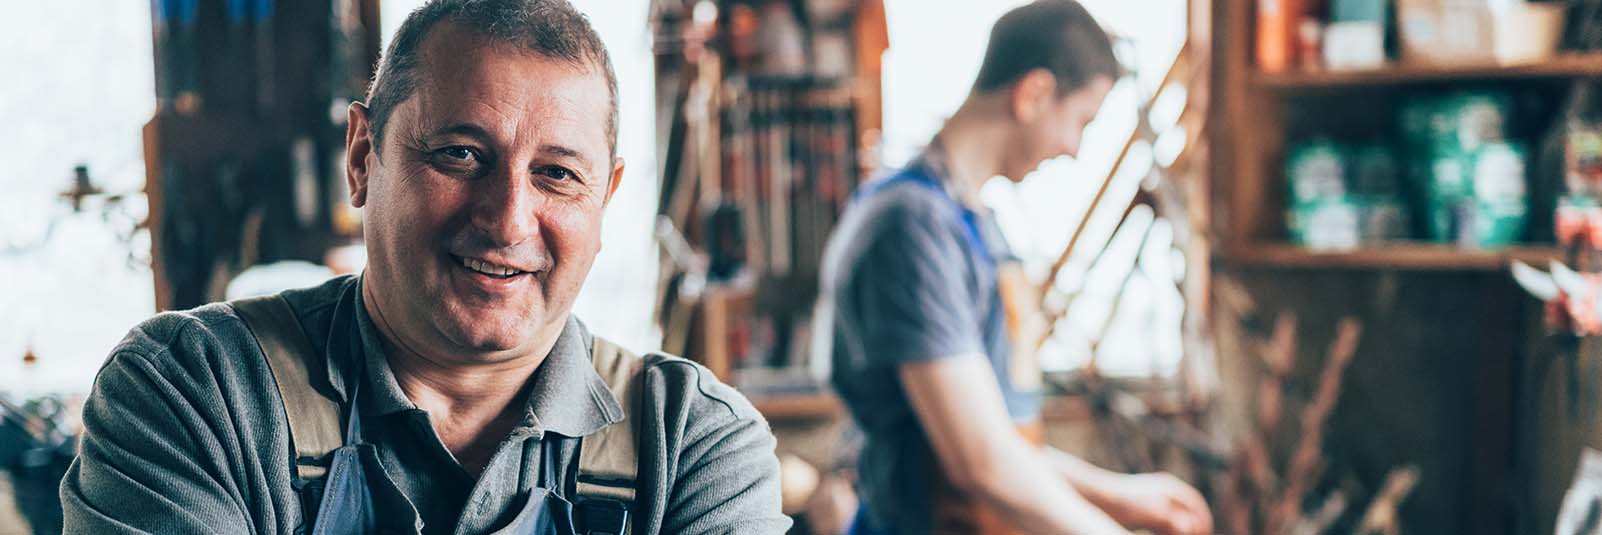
<point x="1157" y="501"/>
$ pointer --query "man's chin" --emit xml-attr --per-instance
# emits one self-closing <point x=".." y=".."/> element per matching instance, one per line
<point x="488" y="342"/>
<point x="492" y="334"/>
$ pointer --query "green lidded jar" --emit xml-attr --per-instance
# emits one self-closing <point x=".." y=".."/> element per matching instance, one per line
<point x="1479" y="198"/>
<point x="1501" y="197"/>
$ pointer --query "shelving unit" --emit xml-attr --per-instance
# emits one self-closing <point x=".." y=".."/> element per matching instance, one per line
<point x="760" y="144"/>
<point x="1575" y="64"/>
<point x="1448" y="337"/>
<point x="1268" y="105"/>
<point x="1407" y="256"/>
<point x="243" y="155"/>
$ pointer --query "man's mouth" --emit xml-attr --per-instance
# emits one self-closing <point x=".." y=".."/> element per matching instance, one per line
<point x="487" y="268"/>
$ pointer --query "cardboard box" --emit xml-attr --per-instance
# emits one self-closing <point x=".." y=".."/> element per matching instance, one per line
<point x="1478" y="31"/>
<point x="1445" y="31"/>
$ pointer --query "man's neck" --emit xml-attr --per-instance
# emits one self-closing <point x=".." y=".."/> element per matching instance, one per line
<point x="973" y="142"/>
<point x="472" y="406"/>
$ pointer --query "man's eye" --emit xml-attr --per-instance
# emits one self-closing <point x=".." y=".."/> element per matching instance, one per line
<point x="559" y="173"/>
<point x="459" y="153"/>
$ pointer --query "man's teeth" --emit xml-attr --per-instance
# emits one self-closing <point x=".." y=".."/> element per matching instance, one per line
<point x="488" y="268"/>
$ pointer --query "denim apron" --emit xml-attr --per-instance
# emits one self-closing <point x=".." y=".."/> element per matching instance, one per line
<point x="355" y="478"/>
<point x="355" y="495"/>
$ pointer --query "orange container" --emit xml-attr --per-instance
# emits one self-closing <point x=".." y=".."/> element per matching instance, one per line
<point x="1276" y="20"/>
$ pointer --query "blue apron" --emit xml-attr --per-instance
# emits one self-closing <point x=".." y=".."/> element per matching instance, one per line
<point x="917" y="173"/>
<point x="355" y="478"/>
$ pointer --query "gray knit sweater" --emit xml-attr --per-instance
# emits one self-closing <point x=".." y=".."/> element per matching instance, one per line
<point x="185" y="433"/>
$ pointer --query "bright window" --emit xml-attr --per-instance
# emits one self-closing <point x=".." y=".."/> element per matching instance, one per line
<point x="67" y="285"/>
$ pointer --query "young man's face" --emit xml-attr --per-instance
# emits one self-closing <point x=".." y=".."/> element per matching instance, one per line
<point x="483" y="208"/>
<point x="1058" y="125"/>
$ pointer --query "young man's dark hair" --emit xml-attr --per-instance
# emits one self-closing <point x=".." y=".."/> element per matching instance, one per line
<point x="547" y="27"/>
<point x="1056" y="35"/>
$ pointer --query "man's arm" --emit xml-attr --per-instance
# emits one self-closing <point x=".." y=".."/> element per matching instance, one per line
<point x="1157" y="501"/>
<point x="960" y="406"/>
<point x="140" y="468"/>
<point x="728" y="476"/>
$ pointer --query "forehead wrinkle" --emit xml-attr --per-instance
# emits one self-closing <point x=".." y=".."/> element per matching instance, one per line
<point x="554" y="127"/>
<point x="533" y="110"/>
<point x="560" y="151"/>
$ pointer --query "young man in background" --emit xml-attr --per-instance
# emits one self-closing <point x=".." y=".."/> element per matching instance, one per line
<point x="921" y="351"/>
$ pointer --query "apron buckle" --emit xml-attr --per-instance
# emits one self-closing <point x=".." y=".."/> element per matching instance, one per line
<point x="597" y="516"/>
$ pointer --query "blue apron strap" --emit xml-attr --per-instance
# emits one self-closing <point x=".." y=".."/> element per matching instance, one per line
<point x="920" y="175"/>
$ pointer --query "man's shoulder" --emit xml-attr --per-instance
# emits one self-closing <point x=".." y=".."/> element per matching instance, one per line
<point x="181" y="335"/>
<point x="905" y="196"/>
<point x="670" y="380"/>
<point x="708" y="455"/>
<point x="213" y="333"/>
<point x="900" y="207"/>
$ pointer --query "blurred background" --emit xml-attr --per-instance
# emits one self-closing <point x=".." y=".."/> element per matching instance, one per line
<point x="1328" y="260"/>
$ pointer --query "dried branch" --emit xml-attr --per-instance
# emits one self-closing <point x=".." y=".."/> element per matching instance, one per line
<point x="1381" y="516"/>
<point x="1306" y="461"/>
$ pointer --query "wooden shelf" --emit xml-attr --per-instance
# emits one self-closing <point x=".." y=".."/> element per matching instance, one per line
<point x="1402" y="256"/>
<point x="1562" y="66"/>
<point x="799" y="407"/>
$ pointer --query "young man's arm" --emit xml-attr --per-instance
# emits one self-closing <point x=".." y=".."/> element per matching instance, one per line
<point x="960" y="406"/>
<point x="1157" y="501"/>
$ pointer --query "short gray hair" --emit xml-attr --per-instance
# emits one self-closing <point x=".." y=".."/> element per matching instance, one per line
<point x="552" y="28"/>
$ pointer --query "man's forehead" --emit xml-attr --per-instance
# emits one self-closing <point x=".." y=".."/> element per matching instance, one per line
<point x="465" y="77"/>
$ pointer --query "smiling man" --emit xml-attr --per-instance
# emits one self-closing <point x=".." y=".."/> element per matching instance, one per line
<point x="449" y="389"/>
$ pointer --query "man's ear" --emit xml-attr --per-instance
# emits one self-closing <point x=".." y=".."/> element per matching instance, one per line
<point x="617" y="179"/>
<point x="358" y="148"/>
<point x="1032" y="93"/>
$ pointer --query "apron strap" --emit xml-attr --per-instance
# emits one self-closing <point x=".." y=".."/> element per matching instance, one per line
<point x="314" y="429"/>
<point x="608" y="458"/>
<point x="921" y="175"/>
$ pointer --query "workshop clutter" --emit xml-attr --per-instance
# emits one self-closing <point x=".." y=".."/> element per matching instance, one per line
<point x="38" y="439"/>
<point x="1282" y="476"/>
<point x="260" y="57"/>
<point x="1455" y="177"/>
<point x="1344" y="195"/>
<point x="1365" y="34"/>
<point x="1478" y="30"/>
<point x="1470" y="177"/>
<point x="1572" y="289"/>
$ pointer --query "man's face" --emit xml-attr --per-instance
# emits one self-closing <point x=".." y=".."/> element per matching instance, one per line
<point x="483" y="208"/>
<point x="1058" y="125"/>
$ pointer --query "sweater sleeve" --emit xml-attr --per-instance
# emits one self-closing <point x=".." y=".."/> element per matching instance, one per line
<point x="728" y="475"/>
<point x="150" y="459"/>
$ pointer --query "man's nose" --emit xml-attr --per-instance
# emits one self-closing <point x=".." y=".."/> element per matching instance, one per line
<point x="506" y="207"/>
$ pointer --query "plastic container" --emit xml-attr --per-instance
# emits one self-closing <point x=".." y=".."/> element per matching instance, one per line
<point x="1445" y="31"/>
<point x="1478" y="31"/>
<point x="1316" y="170"/>
<point x="1332" y="223"/>
<point x="1524" y="32"/>
<point x="1478" y="198"/>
